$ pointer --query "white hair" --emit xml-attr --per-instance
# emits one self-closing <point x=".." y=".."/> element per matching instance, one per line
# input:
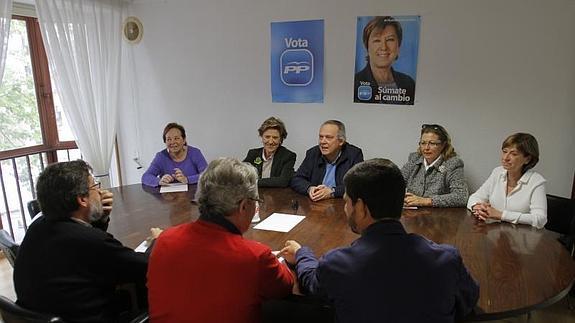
<point x="224" y="184"/>
<point x="340" y="128"/>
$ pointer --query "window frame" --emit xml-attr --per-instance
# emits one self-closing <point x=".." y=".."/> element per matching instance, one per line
<point x="44" y="98"/>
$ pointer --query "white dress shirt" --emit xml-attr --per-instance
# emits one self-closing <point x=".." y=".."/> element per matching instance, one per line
<point x="267" y="165"/>
<point x="526" y="203"/>
<point x="432" y="164"/>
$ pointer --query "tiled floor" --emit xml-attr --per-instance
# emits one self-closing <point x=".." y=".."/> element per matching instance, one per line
<point x="557" y="313"/>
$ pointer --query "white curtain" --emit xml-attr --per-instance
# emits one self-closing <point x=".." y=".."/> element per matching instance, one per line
<point x="83" y="42"/>
<point x="5" y="17"/>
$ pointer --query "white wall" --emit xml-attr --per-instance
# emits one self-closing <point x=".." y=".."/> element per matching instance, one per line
<point x="486" y="69"/>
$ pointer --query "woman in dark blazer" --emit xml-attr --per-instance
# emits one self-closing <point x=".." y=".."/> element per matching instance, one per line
<point x="273" y="161"/>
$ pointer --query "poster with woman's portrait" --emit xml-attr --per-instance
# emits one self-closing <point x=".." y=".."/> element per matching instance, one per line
<point x="386" y="59"/>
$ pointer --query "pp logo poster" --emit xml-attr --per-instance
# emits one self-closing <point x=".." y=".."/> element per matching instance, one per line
<point x="297" y="61"/>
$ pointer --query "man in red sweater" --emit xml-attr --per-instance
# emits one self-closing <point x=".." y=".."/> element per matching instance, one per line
<point x="205" y="271"/>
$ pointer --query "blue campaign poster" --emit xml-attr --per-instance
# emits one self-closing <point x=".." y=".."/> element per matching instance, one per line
<point x="297" y="61"/>
<point x="386" y="59"/>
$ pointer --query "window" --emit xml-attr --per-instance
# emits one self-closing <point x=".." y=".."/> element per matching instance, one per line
<point x="33" y="127"/>
<point x="29" y="121"/>
<point x="19" y="118"/>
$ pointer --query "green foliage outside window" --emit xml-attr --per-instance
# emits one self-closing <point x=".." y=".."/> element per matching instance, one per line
<point x="19" y="118"/>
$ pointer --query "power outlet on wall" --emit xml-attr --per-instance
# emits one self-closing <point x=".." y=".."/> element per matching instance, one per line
<point x="137" y="161"/>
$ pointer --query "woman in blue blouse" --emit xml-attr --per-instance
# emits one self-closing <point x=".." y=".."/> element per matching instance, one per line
<point x="177" y="163"/>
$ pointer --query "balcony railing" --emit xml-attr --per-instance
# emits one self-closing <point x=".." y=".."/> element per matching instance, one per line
<point x="18" y="176"/>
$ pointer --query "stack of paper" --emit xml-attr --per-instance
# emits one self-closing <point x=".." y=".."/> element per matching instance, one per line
<point x="174" y="187"/>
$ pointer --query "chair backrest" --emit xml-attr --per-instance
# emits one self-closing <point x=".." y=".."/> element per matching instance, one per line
<point x="13" y="313"/>
<point x="560" y="214"/>
<point x="561" y="218"/>
<point x="33" y="208"/>
<point x="143" y="317"/>
<point x="8" y="246"/>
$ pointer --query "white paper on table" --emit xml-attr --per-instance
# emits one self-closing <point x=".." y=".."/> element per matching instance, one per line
<point x="174" y="187"/>
<point x="410" y="207"/>
<point x="280" y="222"/>
<point x="142" y="247"/>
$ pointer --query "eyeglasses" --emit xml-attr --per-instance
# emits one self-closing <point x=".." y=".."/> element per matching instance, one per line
<point x="96" y="185"/>
<point x="257" y="199"/>
<point x="433" y="144"/>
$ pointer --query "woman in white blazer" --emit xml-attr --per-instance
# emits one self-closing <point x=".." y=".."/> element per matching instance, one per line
<point x="513" y="192"/>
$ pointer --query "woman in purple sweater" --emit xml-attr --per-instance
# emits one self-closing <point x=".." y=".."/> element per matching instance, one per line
<point x="177" y="163"/>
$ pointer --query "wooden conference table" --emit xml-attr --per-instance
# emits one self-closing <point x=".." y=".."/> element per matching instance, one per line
<point x="519" y="268"/>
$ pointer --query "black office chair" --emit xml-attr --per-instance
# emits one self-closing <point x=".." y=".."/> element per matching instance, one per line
<point x="8" y="246"/>
<point x="14" y="313"/>
<point x="33" y="208"/>
<point x="10" y="312"/>
<point x="144" y="317"/>
<point x="561" y="219"/>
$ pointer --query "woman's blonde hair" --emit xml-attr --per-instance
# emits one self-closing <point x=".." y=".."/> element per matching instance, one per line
<point x="448" y="150"/>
